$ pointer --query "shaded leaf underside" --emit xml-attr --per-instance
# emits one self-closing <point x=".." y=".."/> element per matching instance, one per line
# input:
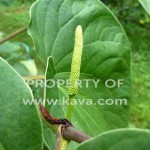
<point x="20" y="126"/>
<point x="120" y="139"/>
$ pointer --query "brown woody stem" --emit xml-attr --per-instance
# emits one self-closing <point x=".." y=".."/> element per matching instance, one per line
<point x="70" y="133"/>
<point x="64" y="129"/>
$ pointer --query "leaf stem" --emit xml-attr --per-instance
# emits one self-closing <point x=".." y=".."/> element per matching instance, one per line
<point x="64" y="144"/>
<point x="61" y="142"/>
<point x="70" y="108"/>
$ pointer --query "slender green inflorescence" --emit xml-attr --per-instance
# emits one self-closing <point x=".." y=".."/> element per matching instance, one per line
<point x="75" y="68"/>
<point x="76" y="61"/>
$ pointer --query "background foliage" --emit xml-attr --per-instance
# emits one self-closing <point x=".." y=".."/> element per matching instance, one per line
<point x="136" y="23"/>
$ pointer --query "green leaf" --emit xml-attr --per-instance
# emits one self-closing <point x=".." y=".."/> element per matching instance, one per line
<point x="121" y="139"/>
<point x="106" y="55"/>
<point x="146" y="5"/>
<point x="20" y="125"/>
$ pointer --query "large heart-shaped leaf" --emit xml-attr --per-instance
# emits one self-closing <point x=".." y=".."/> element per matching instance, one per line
<point x="146" y="5"/>
<point x="20" y="125"/>
<point x="121" y="139"/>
<point x="106" y="55"/>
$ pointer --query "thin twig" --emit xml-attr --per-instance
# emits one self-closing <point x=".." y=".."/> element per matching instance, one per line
<point x="14" y="34"/>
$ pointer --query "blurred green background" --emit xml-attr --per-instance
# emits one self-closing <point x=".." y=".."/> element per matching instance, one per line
<point x="136" y="22"/>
